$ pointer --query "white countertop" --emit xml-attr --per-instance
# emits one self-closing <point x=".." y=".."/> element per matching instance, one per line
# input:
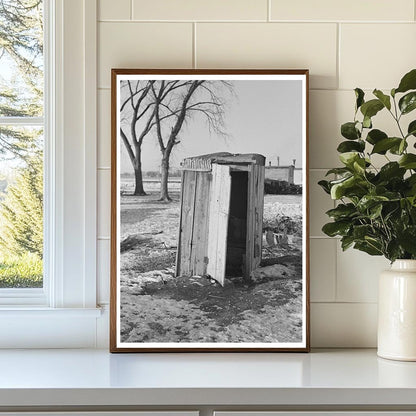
<point x="96" y="377"/>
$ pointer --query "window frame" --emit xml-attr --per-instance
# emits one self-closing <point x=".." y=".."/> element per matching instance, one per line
<point x="69" y="291"/>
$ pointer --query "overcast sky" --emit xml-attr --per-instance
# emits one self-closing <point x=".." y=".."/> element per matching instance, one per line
<point x="264" y="117"/>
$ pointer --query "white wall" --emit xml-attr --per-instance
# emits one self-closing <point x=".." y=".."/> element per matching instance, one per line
<point x="344" y="43"/>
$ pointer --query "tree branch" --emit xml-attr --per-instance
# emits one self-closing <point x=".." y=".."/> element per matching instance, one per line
<point x="128" y="145"/>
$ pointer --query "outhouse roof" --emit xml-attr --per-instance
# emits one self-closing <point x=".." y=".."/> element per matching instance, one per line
<point x="204" y="162"/>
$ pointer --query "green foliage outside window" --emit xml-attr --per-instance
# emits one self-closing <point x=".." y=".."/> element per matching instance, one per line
<point x="21" y="146"/>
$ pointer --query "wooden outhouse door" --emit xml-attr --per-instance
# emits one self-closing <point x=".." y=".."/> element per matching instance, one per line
<point x="254" y="218"/>
<point x="219" y="209"/>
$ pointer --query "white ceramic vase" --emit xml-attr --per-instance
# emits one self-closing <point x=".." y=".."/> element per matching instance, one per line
<point x="397" y="312"/>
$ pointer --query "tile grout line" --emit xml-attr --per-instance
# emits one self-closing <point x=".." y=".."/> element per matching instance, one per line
<point x="336" y="271"/>
<point x="345" y="302"/>
<point x="310" y="89"/>
<point x="307" y="22"/>
<point x="194" y="63"/>
<point x="131" y="9"/>
<point x="269" y="10"/>
<point x="310" y="169"/>
<point x="338" y="63"/>
<point x="322" y="237"/>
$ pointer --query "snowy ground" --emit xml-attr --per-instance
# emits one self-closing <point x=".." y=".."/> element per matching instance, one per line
<point x="157" y="307"/>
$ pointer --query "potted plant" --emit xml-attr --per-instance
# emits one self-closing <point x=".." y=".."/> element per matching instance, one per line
<point x="376" y="207"/>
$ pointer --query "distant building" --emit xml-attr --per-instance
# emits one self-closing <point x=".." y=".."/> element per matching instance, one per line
<point x="280" y="173"/>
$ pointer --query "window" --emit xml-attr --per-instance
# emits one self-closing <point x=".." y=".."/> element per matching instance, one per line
<point x="22" y="132"/>
<point x="63" y="312"/>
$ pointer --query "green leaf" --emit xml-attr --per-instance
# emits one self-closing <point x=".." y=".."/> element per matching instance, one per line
<point x="375" y="136"/>
<point x="383" y="145"/>
<point x="402" y="147"/>
<point x="350" y="131"/>
<point x="408" y="161"/>
<point x="339" y="188"/>
<point x="407" y="240"/>
<point x="367" y="122"/>
<point x="408" y="82"/>
<point x="368" y="248"/>
<point x="391" y="170"/>
<point x="349" y="146"/>
<point x="359" y="165"/>
<point x="336" y="228"/>
<point x="325" y="186"/>
<point x="398" y="149"/>
<point x="359" y="232"/>
<point x="375" y="211"/>
<point x="359" y="95"/>
<point x="374" y="242"/>
<point x="369" y="201"/>
<point x="394" y="251"/>
<point x="408" y="102"/>
<point x="348" y="158"/>
<point x="371" y="108"/>
<point x="342" y="211"/>
<point x="385" y="99"/>
<point x="346" y="242"/>
<point x="411" y="180"/>
<point x="411" y="186"/>
<point x="338" y="171"/>
<point x="411" y="130"/>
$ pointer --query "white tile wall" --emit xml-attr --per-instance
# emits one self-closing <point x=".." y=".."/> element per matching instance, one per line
<point x="322" y="269"/>
<point x="345" y="44"/>
<point x="104" y="202"/>
<point x="145" y="45"/>
<point x="104" y="128"/>
<point x="270" y="45"/>
<point x="200" y="10"/>
<point x="339" y="325"/>
<point x="114" y="10"/>
<point x="103" y="270"/>
<point x="357" y="275"/>
<point x="376" y="55"/>
<point x="357" y="10"/>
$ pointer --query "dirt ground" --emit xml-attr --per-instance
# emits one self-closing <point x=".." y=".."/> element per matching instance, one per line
<point x="157" y="307"/>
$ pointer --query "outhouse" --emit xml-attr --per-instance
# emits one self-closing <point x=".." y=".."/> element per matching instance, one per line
<point x="221" y="215"/>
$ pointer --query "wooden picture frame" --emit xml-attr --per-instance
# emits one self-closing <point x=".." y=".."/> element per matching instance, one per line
<point x="225" y="265"/>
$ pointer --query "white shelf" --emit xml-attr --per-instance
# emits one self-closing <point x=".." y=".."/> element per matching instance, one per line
<point x="56" y="378"/>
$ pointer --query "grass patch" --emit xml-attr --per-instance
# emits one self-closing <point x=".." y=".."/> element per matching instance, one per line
<point x="25" y="271"/>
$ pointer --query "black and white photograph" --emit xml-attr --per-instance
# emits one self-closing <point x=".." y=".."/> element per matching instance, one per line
<point x="209" y="211"/>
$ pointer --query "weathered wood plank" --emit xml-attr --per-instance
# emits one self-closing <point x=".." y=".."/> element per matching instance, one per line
<point x="250" y="224"/>
<point x="259" y="188"/>
<point x="200" y="226"/>
<point x="186" y="229"/>
<point x="178" y="250"/>
<point x="218" y="221"/>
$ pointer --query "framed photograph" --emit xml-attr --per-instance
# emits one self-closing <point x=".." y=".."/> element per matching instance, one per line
<point x="209" y="211"/>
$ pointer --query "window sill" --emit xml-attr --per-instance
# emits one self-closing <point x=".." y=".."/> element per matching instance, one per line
<point x="22" y="297"/>
<point x="36" y="312"/>
<point x="40" y="327"/>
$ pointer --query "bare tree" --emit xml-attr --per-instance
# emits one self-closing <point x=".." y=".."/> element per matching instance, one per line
<point x="137" y="113"/>
<point x="176" y="102"/>
<point x="164" y="107"/>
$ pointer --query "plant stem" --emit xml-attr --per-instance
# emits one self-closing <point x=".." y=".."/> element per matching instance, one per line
<point x="397" y="118"/>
